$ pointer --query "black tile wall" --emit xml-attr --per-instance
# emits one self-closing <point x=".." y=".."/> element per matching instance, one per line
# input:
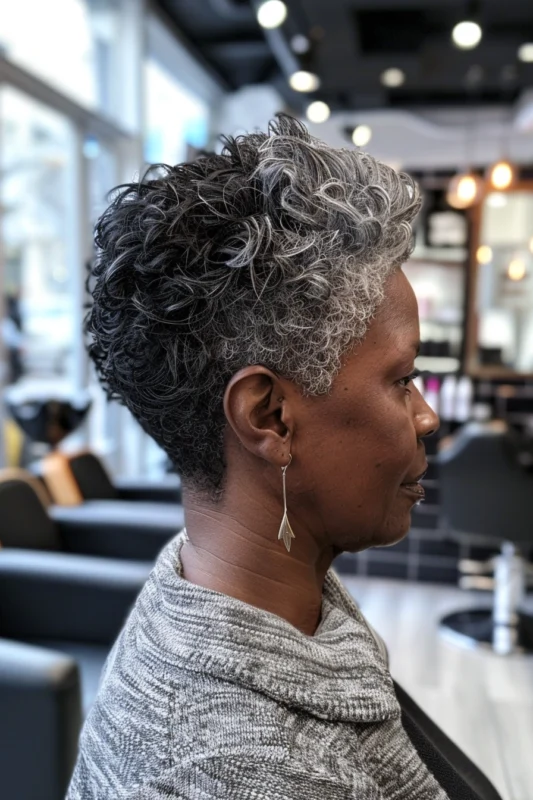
<point x="436" y="573"/>
<point x="438" y="547"/>
<point x="425" y="516"/>
<point x="388" y="569"/>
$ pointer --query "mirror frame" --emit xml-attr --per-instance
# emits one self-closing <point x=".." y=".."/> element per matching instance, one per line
<point x="472" y="366"/>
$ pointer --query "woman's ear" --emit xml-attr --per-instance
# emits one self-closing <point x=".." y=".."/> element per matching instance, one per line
<point x="259" y="413"/>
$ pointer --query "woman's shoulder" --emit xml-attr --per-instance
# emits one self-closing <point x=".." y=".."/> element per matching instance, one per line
<point x="159" y="725"/>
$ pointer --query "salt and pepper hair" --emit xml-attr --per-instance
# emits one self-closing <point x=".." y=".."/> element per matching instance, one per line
<point x="274" y="252"/>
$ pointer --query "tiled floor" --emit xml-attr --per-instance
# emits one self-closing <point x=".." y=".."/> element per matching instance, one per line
<point x="482" y="701"/>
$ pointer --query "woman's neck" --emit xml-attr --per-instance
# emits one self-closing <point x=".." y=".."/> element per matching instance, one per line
<point x="249" y="563"/>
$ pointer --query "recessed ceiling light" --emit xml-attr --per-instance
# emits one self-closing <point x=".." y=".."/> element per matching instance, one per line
<point x="303" y="81"/>
<point x="361" y="135"/>
<point x="318" y="111"/>
<point x="467" y="35"/>
<point x="300" y="44"/>
<point x="525" y="52"/>
<point x="272" y="14"/>
<point x="393" y="77"/>
<point x="474" y="75"/>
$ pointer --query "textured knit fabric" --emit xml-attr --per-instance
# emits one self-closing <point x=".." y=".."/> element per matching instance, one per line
<point x="204" y="696"/>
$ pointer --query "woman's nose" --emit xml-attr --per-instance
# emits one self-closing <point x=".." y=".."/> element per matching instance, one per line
<point x="426" y="419"/>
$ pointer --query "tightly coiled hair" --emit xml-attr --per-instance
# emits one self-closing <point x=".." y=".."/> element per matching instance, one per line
<point x="274" y="252"/>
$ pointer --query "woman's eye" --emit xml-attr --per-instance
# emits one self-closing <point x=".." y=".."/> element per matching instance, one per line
<point x="408" y="378"/>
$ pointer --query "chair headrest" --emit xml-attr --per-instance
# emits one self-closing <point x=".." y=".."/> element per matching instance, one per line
<point x="24" y="521"/>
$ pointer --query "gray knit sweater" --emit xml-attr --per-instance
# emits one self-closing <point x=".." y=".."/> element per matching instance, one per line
<point x="204" y="696"/>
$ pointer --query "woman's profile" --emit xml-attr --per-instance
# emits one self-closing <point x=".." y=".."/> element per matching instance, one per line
<point x="250" y="309"/>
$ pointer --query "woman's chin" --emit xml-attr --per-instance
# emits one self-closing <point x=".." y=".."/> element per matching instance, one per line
<point x="395" y="531"/>
<point x="386" y="535"/>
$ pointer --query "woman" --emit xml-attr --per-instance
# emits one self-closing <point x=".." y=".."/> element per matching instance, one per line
<point x="251" y="312"/>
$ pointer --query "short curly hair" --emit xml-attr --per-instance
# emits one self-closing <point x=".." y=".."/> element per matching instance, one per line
<point x="273" y="252"/>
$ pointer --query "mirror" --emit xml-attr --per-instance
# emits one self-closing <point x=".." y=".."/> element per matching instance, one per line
<point x="500" y="329"/>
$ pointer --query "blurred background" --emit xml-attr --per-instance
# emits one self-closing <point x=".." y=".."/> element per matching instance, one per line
<point x="93" y="90"/>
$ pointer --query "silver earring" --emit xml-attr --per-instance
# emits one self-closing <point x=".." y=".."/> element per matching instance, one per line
<point x="285" y="530"/>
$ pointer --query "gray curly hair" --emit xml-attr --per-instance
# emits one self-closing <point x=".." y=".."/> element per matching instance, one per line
<point x="274" y="252"/>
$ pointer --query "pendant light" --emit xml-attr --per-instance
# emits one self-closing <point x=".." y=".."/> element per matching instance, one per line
<point x="501" y="175"/>
<point x="465" y="188"/>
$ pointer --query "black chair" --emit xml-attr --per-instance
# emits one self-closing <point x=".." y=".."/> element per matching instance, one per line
<point x="28" y="521"/>
<point x="40" y="698"/>
<point x="59" y="616"/>
<point x="458" y="776"/>
<point x="487" y="496"/>
<point x="95" y="484"/>
<point x="89" y="476"/>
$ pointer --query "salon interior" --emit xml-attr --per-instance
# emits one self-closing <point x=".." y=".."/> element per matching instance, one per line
<point x="92" y="90"/>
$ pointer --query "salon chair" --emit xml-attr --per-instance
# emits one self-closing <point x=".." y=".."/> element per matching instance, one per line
<point x="487" y="497"/>
<point x="86" y="472"/>
<point x="40" y="698"/>
<point x="29" y="521"/>
<point x="460" y="778"/>
<point x="59" y="616"/>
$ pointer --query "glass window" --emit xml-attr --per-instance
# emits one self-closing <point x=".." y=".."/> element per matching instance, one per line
<point x="176" y="120"/>
<point x="38" y="199"/>
<point x="71" y="44"/>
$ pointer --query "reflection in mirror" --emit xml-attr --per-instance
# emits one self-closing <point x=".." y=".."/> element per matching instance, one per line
<point x="503" y="291"/>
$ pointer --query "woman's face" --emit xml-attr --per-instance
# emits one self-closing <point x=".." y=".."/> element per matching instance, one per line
<point x="359" y="446"/>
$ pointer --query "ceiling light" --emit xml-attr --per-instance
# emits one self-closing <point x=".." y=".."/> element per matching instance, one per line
<point x="393" y="77"/>
<point x="484" y="254"/>
<point x="318" y="111"/>
<point x="361" y="135"/>
<point x="509" y="73"/>
<point x="497" y="200"/>
<point x="474" y="75"/>
<point x="272" y="14"/>
<point x="303" y="81"/>
<point x="464" y="190"/>
<point x="516" y="270"/>
<point x="300" y="44"/>
<point x="501" y="175"/>
<point x="525" y="52"/>
<point x="467" y="35"/>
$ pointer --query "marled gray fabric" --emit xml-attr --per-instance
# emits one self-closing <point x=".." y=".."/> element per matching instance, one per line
<point x="206" y="697"/>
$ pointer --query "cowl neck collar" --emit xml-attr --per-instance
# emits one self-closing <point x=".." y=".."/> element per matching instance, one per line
<point x="338" y="674"/>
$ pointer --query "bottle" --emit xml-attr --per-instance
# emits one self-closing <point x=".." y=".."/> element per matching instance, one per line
<point x="431" y="395"/>
<point x="448" y="392"/>
<point x="463" y="399"/>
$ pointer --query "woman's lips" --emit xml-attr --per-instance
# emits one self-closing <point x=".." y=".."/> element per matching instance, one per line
<point x="416" y="490"/>
<point x="414" y="487"/>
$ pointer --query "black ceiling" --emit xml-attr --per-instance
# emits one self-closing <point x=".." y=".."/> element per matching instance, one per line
<point x="354" y="41"/>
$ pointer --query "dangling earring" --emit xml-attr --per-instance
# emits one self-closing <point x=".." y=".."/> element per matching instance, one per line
<point x="285" y="530"/>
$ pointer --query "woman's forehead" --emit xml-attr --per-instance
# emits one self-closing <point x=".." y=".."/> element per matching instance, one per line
<point x="397" y="316"/>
